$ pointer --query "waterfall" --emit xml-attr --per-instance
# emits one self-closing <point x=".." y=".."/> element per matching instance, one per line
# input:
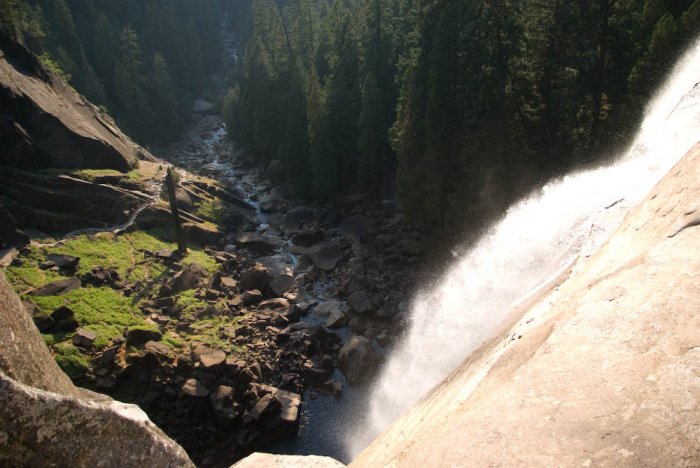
<point x="523" y="251"/>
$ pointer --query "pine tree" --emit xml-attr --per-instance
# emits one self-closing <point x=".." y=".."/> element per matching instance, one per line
<point x="372" y="144"/>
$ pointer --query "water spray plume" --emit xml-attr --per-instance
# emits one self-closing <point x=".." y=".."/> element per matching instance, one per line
<point x="533" y="242"/>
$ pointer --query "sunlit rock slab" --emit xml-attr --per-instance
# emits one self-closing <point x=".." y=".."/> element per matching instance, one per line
<point x="605" y="371"/>
<point x="266" y="460"/>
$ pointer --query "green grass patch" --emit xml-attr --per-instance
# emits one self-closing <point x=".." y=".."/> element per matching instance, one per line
<point x="71" y="360"/>
<point x="102" y="310"/>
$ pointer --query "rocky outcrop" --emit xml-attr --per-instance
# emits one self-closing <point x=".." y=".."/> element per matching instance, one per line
<point x="46" y="123"/>
<point x="47" y="421"/>
<point x="41" y="428"/>
<point x="601" y="372"/>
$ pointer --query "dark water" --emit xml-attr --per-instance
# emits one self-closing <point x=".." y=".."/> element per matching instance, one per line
<point x="326" y="423"/>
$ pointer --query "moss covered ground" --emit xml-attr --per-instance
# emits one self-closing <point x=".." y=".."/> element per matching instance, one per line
<point x="109" y="312"/>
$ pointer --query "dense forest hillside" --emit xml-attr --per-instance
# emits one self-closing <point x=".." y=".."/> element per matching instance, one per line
<point x="457" y="107"/>
<point x="144" y="61"/>
<point x="465" y="105"/>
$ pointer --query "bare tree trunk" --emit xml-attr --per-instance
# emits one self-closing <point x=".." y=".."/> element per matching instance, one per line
<point x="179" y="235"/>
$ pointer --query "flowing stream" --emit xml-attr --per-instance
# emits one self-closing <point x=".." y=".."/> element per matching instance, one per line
<point x="522" y="253"/>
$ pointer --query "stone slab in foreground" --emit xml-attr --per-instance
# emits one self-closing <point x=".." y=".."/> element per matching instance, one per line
<point x="266" y="460"/>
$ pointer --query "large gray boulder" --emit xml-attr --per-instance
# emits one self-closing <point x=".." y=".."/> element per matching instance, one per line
<point x="40" y="428"/>
<point x="358" y="359"/>
<point x="326" y="256"/>
<point x="45" y="420"/>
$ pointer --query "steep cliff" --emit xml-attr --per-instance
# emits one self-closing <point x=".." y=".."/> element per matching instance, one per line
<point x="46" y="123"/>
<point x="603" y="371"/>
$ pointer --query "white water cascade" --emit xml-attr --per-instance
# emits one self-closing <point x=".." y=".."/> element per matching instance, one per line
<point x="533" y="242"/>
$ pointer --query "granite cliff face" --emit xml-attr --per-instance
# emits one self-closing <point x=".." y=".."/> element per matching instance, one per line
<point x="45" y="123"/>
<point x="602" y="371"/>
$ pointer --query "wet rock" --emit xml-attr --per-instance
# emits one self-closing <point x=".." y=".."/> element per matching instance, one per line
<point x="210" y="359"/>
<point x="329" y="307"/>
<point x="333" y="387"/>
<point x="139" y="336"/>
<point x="358" y="325"/>
<point x="56" y="288"/>
<point x="336" y="319"/>
<point x="358" y="359"/>
<point x="308" y="238"/>
<point x="360" y="302"/>
<point x="255" y="278"/>
<point x="282" y="283"/>
<point x="251" y="297"/>
<point x="285" y="421"/>
<point x="258" y="243"/>
<point x="188" y="278"/>
<point x="296" y="216"/>
<point x="326" y="256"/>
<point x="84" y="338"/>
<point x="276" y="219"/>
<point x="64" y="317"/>
<point x="194" y="388"/>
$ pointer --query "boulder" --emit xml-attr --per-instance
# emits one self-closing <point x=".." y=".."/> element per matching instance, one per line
<point x="56" y="288"/>
<point x="210" y="359"/>
<point x="332" y="307"/>
<point x="140" y="336"/>
<point x="308" y="238"/>
<point x="251" y="297"/>
<point x="255" y="278"/>
<point x="201" y="234"/>
<point x="183" y="199"/>
<point x="189" y="277"/>
<point x="358" y="359"/>
<point x="360" y="302"/>
<point x="265" y="406"/>
<point x="228" y="283"/>
<point x="64" y="317"/>
<point x="63" y="262"/>
<point x="258" y="243"/>
<point x="194" y="388"/>
<point x="224" y="403"/>
<point x="326" y="256"/>
<point x="159" y="349"/>
<point x="336" y="319"/>
<point x="282" y="283"/>
<point x="84" y="338"/>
